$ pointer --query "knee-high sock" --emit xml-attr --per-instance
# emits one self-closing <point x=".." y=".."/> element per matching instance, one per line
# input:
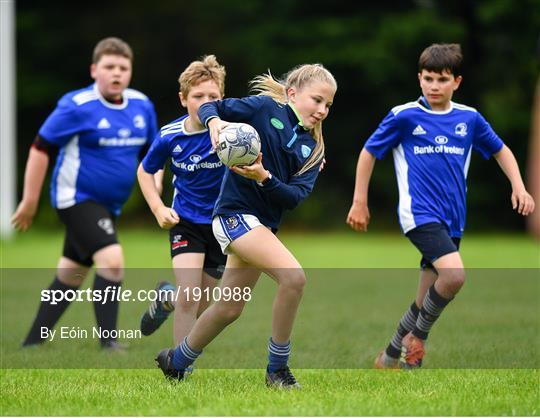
<point x="432" y="308"/>
<point x="106" y="313"/>
<point x="406" y="325"/>
<point x="48" y="314"/>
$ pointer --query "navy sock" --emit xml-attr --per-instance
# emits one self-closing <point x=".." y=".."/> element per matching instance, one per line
<point x="184" y="356"/>
<point x="278" y="355"/>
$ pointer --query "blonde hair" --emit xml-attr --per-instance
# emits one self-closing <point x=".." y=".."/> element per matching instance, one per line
<point x="111" y="46"/>
<point x="207" y="68"/>
<point x="299" y="77"/>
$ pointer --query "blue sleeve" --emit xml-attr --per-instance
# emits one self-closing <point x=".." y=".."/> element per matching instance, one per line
<point x="385" y="137"/>
<point x="157" y="155"/>
<point x="485" y="140"/>
<point x="232" y="110"/>
<point x="290" y="195"/>
<point x="62" y="124"/>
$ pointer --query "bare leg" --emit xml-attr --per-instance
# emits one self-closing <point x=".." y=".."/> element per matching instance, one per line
<point x="451" y="275"/>
<point x="70" y="272"/>
<point x="188" y="272"/>
<point x="223" y="312"/>
<point x="427" y="279"/>
<point x="277" y="261"/>
<point x="109" y="262"/>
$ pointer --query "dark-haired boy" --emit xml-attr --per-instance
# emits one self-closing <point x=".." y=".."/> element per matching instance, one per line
<point x="431" y="140"/>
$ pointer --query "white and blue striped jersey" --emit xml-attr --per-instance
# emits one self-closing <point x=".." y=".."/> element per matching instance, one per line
<point x="99" y="146"/>
<point x="432" y="152"/>
<point x="197" y="170"/>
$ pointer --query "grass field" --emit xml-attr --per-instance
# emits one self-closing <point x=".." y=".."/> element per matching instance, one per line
<point x="483" y="355"/>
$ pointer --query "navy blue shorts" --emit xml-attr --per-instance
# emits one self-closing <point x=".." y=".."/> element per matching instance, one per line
<point x="433" y="241"/>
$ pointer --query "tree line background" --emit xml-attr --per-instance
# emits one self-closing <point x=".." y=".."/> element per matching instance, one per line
<point x="372" y="50"/>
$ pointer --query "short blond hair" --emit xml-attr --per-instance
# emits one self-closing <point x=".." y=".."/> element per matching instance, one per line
<point x="111" y="46"/>
<point x="207" y="68"/>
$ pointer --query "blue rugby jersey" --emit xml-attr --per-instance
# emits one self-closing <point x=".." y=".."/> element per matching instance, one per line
<point x="432" y="152"/>
<point x="285" y="146"/>
<point x="197" y="170"/>
<point x="99" y="145"/>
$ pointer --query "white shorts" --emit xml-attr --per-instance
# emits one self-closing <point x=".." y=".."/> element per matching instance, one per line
<point x="228" y="228"/>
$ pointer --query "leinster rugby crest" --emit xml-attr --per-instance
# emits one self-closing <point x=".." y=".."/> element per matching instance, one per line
<point x="231" y="222"/>
<point x="461" y="129"/>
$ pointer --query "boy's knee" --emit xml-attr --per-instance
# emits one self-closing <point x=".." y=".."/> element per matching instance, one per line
<point x="113" y="272"/>
<point x="110" y="263"/>
<point x="453" y="278"/>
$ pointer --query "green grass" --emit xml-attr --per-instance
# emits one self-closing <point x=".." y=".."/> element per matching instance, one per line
<point x="149" y="249"/>
<point x="240" y="392"/>
<point x="483" y="355"/>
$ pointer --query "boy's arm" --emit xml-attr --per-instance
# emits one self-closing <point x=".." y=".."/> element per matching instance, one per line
<point x="166" y="217"/>
<point x="158" y="181"/>
<point x="358" y="217"/>
<point x="522" y="201"/>
<point x="34" y="175"/>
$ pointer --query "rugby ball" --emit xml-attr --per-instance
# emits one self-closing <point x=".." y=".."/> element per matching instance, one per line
<point x="239" y="144"/>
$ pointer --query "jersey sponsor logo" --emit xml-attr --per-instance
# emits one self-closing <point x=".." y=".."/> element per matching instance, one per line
<point x="276" y="123"/>
<point x="124" y="133"/>
<point x="103" y="124"/>
<point x="439" y="149"/>
<point x="193" y="167"/>
<point x="121" y="142"/>
<point x="178" y="242"/>
<point x="195" y="158"/>
<point x="306" y="151"/>
<point x="419" y="130"/>
<point x="441" y="139"/>
<point x="177" y="149"/>
<point x="139" y="122"/>
<point x="461" y="129"/>
<point x="231" y="222"/>
<point x="107" y="225"/>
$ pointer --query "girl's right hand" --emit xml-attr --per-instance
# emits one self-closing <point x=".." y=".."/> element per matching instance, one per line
<point x="166" y="217"/>
<point x="215" y="125"/>
<point x="358" y="217"/>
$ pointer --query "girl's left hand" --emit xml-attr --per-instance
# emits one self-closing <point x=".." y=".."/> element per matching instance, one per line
<point x="255" y="171"/>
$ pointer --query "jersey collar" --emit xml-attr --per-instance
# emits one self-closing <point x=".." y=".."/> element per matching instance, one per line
<point x="108" y="104"/>
<point x="422" y="101"/>
<point x="297" y="115"/>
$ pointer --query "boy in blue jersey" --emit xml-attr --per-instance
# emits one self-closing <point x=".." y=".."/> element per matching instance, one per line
<point x="97" y="134"/>
<point x="196" y="256"/>
<point x="431" y="140"/>
<point x="288" y="117"/>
